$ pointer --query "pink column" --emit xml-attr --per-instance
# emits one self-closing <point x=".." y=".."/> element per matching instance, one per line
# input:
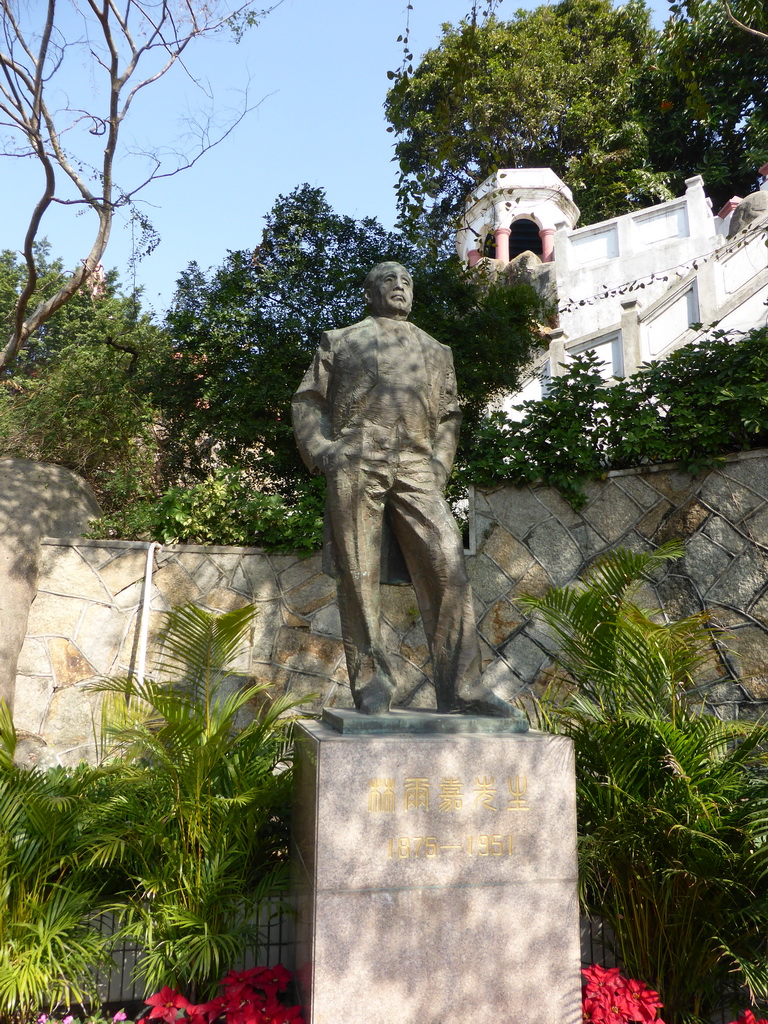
<point x="474" y="257"/>
<point x="729" y="207"/>
<point x="502" y="243"/>
<point x="547" y="236"/>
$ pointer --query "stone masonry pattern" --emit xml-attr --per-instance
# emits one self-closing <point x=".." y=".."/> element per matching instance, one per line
<point x="83" y="622"/>
<point x="537" y="540"/>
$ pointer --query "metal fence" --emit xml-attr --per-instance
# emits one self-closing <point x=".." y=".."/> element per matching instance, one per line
<point x="597" y="948"/>
<point x="596" y="944"/>
<point x="118" y="989"/>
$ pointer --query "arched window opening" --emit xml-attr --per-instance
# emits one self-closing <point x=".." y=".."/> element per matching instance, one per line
<point x="489" y="245"/>
<point x="524" y="237"/>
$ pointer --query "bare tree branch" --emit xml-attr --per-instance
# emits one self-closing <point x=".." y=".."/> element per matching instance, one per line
<point x="741" y="25"/>
<point x="205" y="144"/>
<point x="150" y="36"/>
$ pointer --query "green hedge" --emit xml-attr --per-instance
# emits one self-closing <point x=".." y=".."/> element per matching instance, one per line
<point x="226" y="508"/>
<point x="704" y="401"/>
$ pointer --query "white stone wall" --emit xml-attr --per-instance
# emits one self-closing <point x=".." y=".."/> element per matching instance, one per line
<point x="630" y="288"/>
<point x="654" y="247"/>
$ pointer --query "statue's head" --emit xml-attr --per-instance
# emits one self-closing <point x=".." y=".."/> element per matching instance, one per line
<point x="389" y="291"/>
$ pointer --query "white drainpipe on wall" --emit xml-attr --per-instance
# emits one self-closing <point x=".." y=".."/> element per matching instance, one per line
<point x="144" y="623"/>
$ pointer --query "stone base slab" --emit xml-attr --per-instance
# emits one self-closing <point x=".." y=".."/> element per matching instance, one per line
<point x="435" y="878"/>
<point x="348" y="721"/>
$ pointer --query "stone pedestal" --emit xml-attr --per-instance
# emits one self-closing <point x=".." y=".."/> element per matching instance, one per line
<point x="435" y="873"/>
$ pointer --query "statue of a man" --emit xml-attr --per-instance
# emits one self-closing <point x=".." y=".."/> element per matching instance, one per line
<point x="377" y="413"/>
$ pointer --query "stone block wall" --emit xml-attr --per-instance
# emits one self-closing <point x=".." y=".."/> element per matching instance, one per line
<point x="537" y="540"/>
<point x="36" y="499"/>
<point x="83" y="621"/>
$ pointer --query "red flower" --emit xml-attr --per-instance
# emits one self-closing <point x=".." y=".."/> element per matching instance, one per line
<point x="275" y="1013"/>
<point x="237" y="991"/>
<point x="747" y="1017"/>
<point x="591" y="1010"/>
<point x="242" y="977"/>
<point x="166" y="1004"/>
<point x="199" y="1014"/>
<point x="248" y="1013"/>
<point x="615" y="1009"/>
<point x="249" y="985"/>
<point x="642" y="1002"/>
<point x="601" y="979"/>
<point x="610" y="999"/>
<point x="274" y="979"/>
<point x="212" y="1010"/>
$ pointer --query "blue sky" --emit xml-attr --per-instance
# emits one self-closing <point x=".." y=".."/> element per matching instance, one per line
<point x="319" y="72"/>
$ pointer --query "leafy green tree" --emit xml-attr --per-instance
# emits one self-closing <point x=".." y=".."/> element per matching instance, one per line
<point x="623" y="113"/>
<point x="201" y="834"/>
<point x="243" y="338"/>
<point x="751" y="17"/>
<point x="672" y="802"/>
<point x="704" y="98"/>
<point x="12" y="276"/>
<point x="554" y="87"/>
<point x="75" y="396"/>
<point x="238" y="343"/>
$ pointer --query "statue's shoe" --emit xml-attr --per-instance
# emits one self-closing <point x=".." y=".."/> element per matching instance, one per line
<point x="374" y="705"/>
<point x="375" y="699"/>
<point x="489" y="705"/>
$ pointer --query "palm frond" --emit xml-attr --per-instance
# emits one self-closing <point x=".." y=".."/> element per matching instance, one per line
<point x="7" y="736"/>
<point x="213" y="848"/>
<point x="672" y="802"/>
<point x="199" y="647"/>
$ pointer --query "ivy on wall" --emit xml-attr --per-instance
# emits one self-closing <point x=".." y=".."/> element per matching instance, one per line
<point x="702" y="402"/>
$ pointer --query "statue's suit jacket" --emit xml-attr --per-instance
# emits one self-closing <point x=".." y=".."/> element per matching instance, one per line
<point x="332" y="398"/>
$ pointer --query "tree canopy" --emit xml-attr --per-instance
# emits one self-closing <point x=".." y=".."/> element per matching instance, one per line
<point x="178" y="427"/>
<point x="552" y="86"/>
<point x="621" y="112"/>
<point x="705" y="99"/>
<point x="76" y="397"/>
<point x="243" y="336"/>
<point x="748" y="15"/>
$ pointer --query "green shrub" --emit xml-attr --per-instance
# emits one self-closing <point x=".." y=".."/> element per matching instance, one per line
<point x="703" y="401"/>
<point x="181" y="835"/>
<point x="50" y="892"/>
<point x="672" y="802"/>
<point x="224" y="509"/>
<point x="201" y="833"/>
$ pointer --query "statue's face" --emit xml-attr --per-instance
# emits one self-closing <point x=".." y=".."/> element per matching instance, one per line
<point x="390" y="293"/>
